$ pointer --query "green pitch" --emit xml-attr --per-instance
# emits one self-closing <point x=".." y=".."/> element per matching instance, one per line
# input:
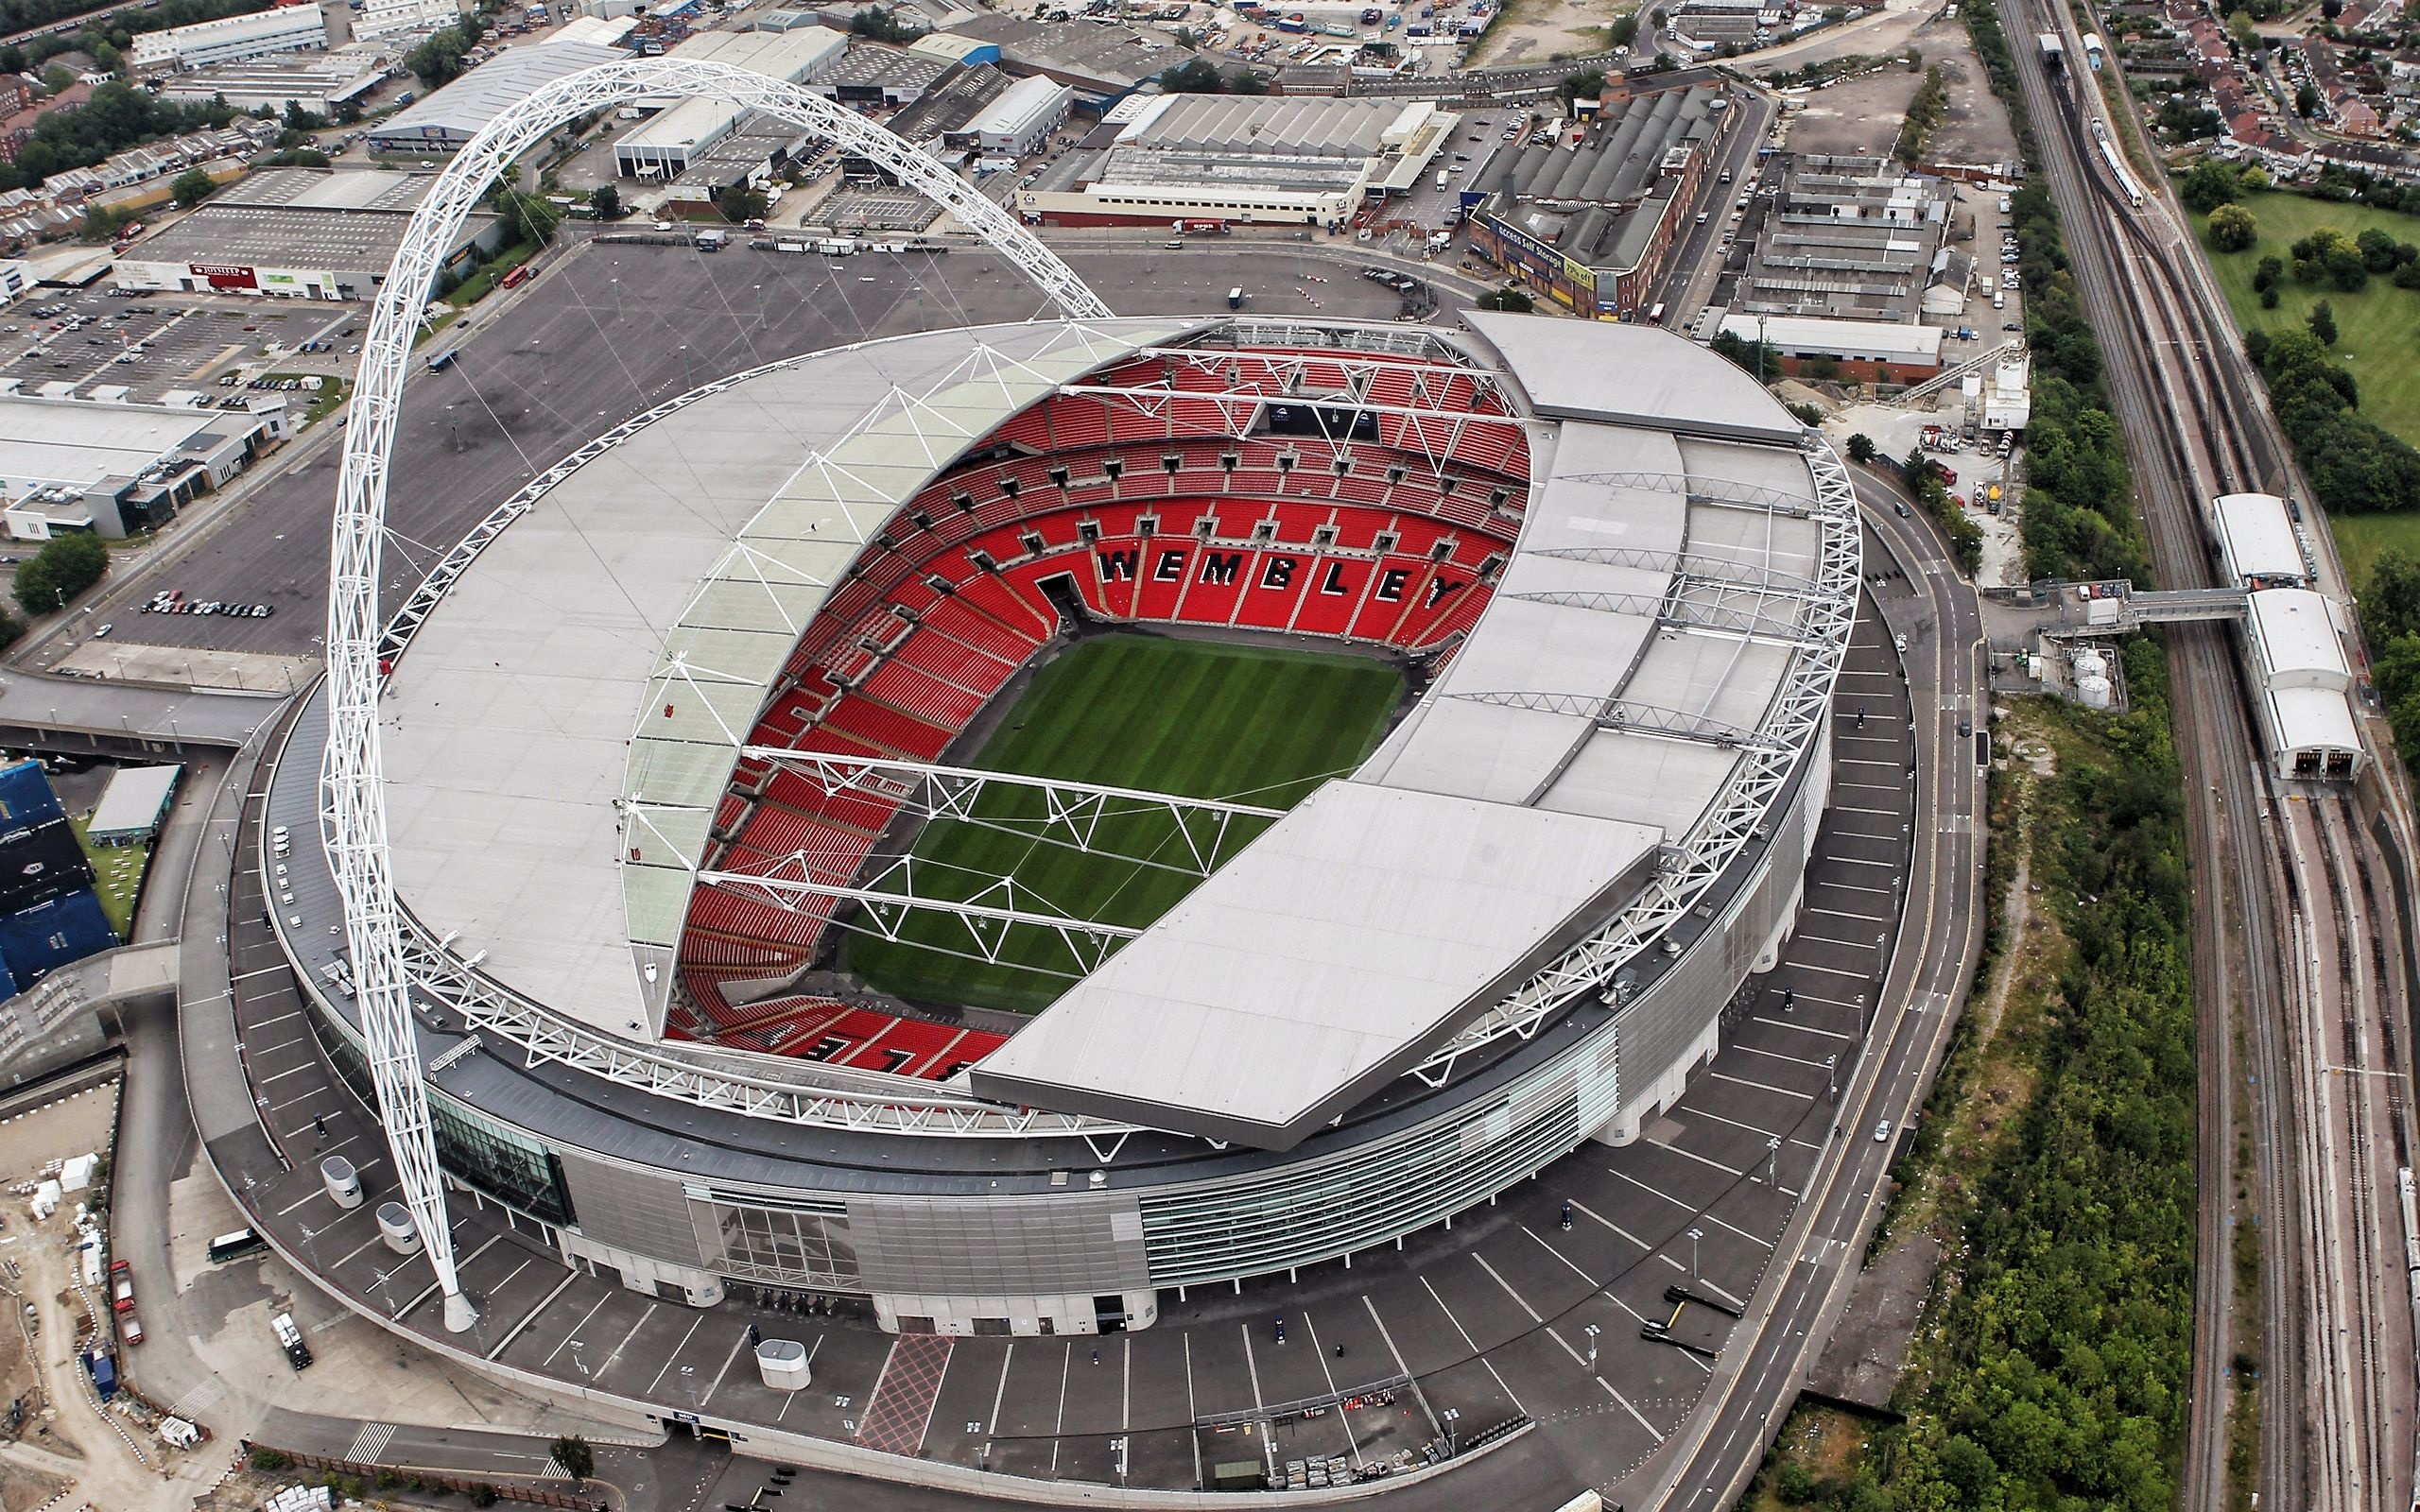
<point x="1205" y="720"/>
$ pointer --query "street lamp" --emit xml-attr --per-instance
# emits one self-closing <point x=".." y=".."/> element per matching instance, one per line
<point x="1452" y="1445"/>
<point x="1832" y="1075"/>
<point x="1772" y="1161"/>
<point x="1695" y="1234"/>
<point x="1591" y="1332"/>
<point x="578" y="1344"/>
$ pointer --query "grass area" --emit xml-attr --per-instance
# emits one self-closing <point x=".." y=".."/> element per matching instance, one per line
<point x="118" y="871"/>
<point x="1262" y="726"/>
<point x="331" y="393"/>
<point x="2361" y="539"/>
<point x="2379" y="341"/>
<point x="481" y="284"/>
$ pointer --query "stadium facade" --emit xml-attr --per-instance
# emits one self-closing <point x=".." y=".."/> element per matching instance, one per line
<point x="672" y="720"/>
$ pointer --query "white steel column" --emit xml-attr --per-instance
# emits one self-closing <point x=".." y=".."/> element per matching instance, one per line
<point x="353" y="805"/>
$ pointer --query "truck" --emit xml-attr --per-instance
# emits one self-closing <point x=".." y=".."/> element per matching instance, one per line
<point x="1441" y="176"/>
<point x="1236" y="299"/>
<point x="104" y="1371"/>
<point x="712" y="241"/>
<point x="289" y="1338"/>
<point x="1294" y="23"/>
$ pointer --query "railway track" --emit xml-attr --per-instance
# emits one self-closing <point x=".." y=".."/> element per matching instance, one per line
<point x="2337" y="1373"/>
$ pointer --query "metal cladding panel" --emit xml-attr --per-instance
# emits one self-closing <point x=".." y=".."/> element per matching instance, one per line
<point x="25" y="797"/>
<point x="38" y="940"/>
<point x="1082" y="1242"/>
<point x="41" y="862"/>
<point x="637" y="1210"/>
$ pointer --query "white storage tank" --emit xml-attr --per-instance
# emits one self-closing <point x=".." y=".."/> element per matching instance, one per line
<point x="342" y="1181"/>
<point x="2093" y="691"/>
<point x="782" y="1365"/>
<point x="395" y="1225"/>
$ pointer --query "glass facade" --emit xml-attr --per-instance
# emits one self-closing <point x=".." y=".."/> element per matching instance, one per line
<point x="803" y="1244"/>
<point x="473" y="1149"/>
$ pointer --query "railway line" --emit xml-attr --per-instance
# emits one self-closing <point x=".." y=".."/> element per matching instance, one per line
<point x="2291" y="927"/>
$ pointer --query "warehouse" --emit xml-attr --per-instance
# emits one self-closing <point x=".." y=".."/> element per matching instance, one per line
<point x="1865" y="351"/>
<point x="2306" y="684"/>
<point x="1102" y="60"/>
<point x="1021" y="121"/>
<point x="1848" y="238"/>
<point x="318" y="85"/>
<point x="663" y="145"/>
<point x="939" y="122"/>
<point x="77" y="465"/>
<point x="1220" y="158"/>
<point x="875" y="75"/>
<point x="451" y="116"/>
<point x="748" y="155"/>
<point x="282" y="29"/>
<point x="1587" y="217"/>
<point x="380" y="18"/>
<point x="298" y="232"/>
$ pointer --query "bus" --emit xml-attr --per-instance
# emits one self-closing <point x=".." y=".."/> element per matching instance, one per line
<point x="1656" y="316"/>
<point x="236" y="1245"/>
<point x="514" y="278"/>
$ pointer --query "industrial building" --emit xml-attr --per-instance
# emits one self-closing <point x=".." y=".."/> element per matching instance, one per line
<point x="1848" y="239"/>
<point x="134" y="805"/>
<point x="230" y="39"/>
<point x="302" y="233"/>
<point x="749" y="155"/>
<point x="1586" y="214"/>
<point x="1865" y="351"/>
<point x="1020" y="122"/>
<point x="78" y="465"/>
<point x="663" y="145"/>
<point x="385" y="18"/>
<point x="939" y="121"/>
<point x="441" y="124"/>
<point x="2258" y="545"/>
<point x="1102" y="60"/>
<point x="1222" y="159"/>
<point x="1516" y="927"/>
<point x="875" y="75"/>
<point x="2008" y="393"/>
<point x="318" y="85"/>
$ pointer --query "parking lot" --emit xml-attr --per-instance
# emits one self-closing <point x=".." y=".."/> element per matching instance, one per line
<point x="157" y="345"/>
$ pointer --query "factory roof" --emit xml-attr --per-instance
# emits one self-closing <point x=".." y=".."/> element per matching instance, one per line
<point x="455" y="113"/>
<point x="1868" y="340"/>
<point x="77" y="442"/>
<point x="361" y="238"/>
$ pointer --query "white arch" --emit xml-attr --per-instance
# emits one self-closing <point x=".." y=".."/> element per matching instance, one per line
<point x="353" y="805"/>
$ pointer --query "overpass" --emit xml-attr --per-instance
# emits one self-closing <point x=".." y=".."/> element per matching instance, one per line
<point x="40" y="711"/>
<point x="2093" y="611"/>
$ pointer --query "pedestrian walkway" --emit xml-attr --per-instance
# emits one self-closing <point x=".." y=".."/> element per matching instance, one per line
<point x="903" y="1401"/>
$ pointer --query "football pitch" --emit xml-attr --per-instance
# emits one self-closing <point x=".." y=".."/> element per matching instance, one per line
<point x="1205" y="720"/>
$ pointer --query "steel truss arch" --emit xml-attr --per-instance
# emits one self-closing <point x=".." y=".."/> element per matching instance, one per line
<point x="353" y="797"/>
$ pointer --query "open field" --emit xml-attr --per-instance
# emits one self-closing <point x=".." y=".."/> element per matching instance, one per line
<point x="1259" y="726"/>
<point x="2378" y="340"/>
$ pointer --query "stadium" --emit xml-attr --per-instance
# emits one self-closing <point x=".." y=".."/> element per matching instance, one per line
<point x="1003" y="822"/>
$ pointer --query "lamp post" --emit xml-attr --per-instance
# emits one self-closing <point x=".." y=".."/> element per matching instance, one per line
<point x="578" y="1344"/>
<point x="1591" y="1332"/>
<point x="1695" y="1234"/>
<point x="1772" y="1161"/>
<point x="1453" y="1445"/>
<point x="1832" y="1075"/>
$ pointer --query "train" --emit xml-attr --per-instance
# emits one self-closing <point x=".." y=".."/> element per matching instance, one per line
<point x="2116" y="161"/>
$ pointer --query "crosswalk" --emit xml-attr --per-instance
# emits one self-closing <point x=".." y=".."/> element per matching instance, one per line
<point x="369" y="1443"/>
<point x="200" y="1399"/>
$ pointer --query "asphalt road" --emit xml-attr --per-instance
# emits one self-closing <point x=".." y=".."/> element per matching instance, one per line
<point x="1809" y="1281"/>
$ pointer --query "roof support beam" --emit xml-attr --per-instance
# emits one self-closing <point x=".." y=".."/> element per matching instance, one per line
<point x="1620" y="714"/>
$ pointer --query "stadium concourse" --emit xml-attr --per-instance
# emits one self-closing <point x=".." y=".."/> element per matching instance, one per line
<point x="702" y="705"/>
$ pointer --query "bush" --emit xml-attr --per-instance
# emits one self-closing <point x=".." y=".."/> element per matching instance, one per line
<point x="270" y="1461"/>
<point x="2233" y="229"/>
<point x="483" y="1495"/>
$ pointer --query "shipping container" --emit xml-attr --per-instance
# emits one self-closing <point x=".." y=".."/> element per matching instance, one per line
<point x="104" y="1371"/>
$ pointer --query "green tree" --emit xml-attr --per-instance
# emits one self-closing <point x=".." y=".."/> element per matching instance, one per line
<point x="2239" y="28"/>
<point x="192" y="187"/>
<point x="2307" y="100"/>
<point x="1585" y="85"/>
<point x="1862" y="448"/>
<point x="740" y="206"/>
<point x="884" y="25"/>
<point x="606" y="201"/>
<point x="572" y="1453"/>
<point x="1197" y="75"/>
<point x="2267" y="273"/>
<point x="1244" y="81"/>
<point x="2208" y="184"/>
<point x="1624" y="31"/>
<point x="529" y="218"/>
<point x="65" y="566"/>
<point x="2233" y="229"/>
<point x="2323" y="322"/>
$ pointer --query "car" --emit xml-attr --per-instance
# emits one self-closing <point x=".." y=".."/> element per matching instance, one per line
<point x="1902" y="510"/>
<point x="2011" y="325"/>
<point x="1883" y="1132"/>
<point x="1965" y="728"/>
<point x="102" y="634"/>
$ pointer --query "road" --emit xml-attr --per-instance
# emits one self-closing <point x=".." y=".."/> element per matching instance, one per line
<point x="2336" y="1344"/>
<point x="1709" y="1463"/>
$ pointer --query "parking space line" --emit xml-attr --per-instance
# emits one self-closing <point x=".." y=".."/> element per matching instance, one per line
<point x="527" y="1318"/>
<point x="735" y="1347"/>
<point x="1401" y="1369"/>
<point x="626" y="1339"/>
<point x="1650" y="1191"/>
<point x="1710" y="1216"/>
<point x="788" y="1396"/>
<point x="1593" y="1284"/>
<point x="1687" y="1155"/>
<point x="1842" y="913"/>
<point x="674" y="1355"/>
<point x="296" y="1071"/>
<point x="1535" y="1315"/>
<point x="1775" y="1054"/>
<point x="1252" y="1366"/>
<point x="356" y="1250"/>
<point x="1632" y="1411"/>
<point x="1473" y="1344"/>
<point x="576" y="1327"/>
<point x="1700" y="1112"/>
<point x="1612" y="1227"/>
<point x="1804" y="1028"/>
<point x="1832" y="970"/>
<point x="1760" y="1086"/>
<point x="1192" y="1409"/>
<point x="1352" y="1440"/>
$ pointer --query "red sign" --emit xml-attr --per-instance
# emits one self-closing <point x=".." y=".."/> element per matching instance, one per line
<point x="223" y="277"/>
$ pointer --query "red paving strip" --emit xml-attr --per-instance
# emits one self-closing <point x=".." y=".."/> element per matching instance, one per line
<point x="903" y="1401"/>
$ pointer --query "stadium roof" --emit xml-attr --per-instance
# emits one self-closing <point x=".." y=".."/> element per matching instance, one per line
<point x="657" y="577"/>
<point x="1638" y="641"/>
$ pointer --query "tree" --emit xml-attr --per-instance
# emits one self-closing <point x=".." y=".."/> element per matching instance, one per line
<point x="1624" y="30"/>
<point x="2379" y="252"/>
<point x="1585" y="85"/>
<point x="2323" y="322"/>
<point x="1197" y="75"/>
<point x="2239" y="28"/>
<point x="2232" y="229"/>
<point x="884" y="25"/>
<point x="192" y="187"/>
<point x="2307" y="100"/>
<point x="2208" y="184"/>
<point x="606" y="201"/>
<point x="1862" y="448"/>
<point x="572" y="1453"/>
<point x="1244" y="81"/>
<point x="529" y="218"/>
<point x="2267" y="273"/>
<point x="740" y="206"/>
<point x="63" y="568"/>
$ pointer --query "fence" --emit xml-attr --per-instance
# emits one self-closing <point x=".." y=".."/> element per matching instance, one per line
<point x="507" y="1489"/>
